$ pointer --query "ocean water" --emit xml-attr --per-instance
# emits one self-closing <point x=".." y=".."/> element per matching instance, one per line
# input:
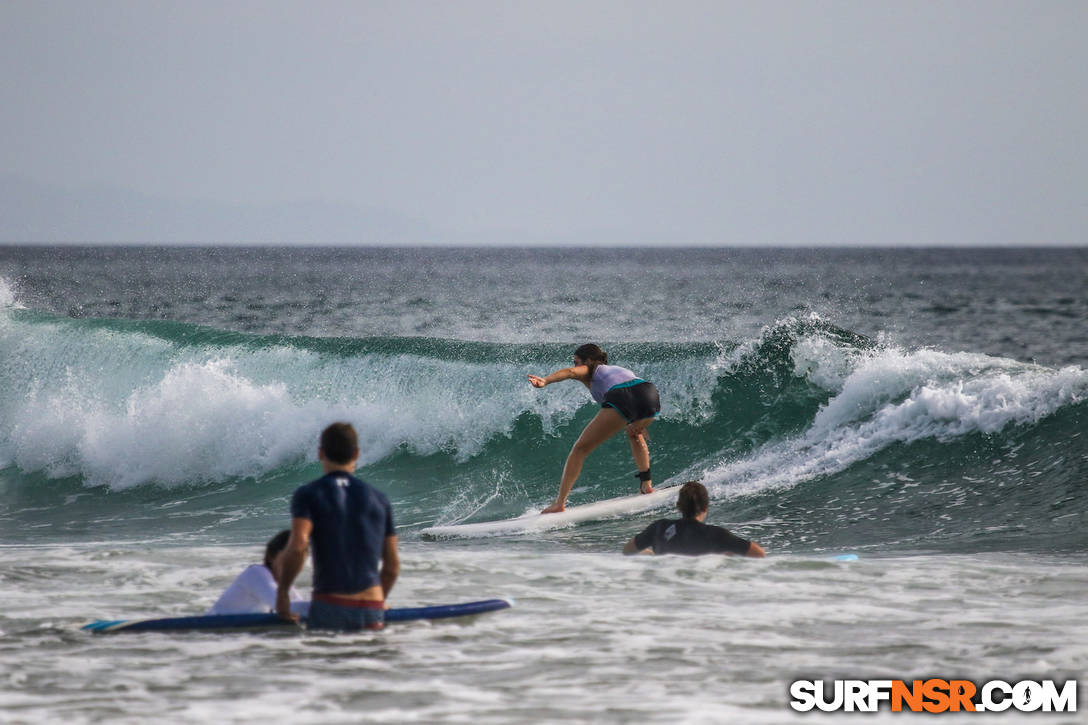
<point x="925" y="409"/>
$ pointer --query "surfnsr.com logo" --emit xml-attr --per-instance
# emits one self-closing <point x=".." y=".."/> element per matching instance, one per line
<point x="933" y="695"/>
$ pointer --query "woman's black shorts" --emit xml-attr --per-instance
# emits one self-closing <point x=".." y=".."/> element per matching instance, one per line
<point x="634" y="402"/>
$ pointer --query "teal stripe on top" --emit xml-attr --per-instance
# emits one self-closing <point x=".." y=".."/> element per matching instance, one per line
<point x="628" y="384"/>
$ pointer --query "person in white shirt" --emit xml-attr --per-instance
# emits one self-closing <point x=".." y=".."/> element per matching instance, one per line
<point x="254" y="591"/>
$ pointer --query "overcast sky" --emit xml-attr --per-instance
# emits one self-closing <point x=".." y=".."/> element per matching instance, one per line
<point x="587" y="122"/>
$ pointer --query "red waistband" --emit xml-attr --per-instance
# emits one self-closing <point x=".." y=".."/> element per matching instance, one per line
<point x="348" y="601"/>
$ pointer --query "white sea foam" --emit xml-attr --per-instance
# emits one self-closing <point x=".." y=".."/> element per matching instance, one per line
<point x="822" y="361"/>
<point x="121" y="408"/>
<point x="566" y="652"/>
<point x="204" y="420"/>
<point x="893" y="396"/>
<point x="7" y="294"/>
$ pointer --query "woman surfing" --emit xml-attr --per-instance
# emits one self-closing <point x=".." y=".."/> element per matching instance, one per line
<point x="627" y="402"/>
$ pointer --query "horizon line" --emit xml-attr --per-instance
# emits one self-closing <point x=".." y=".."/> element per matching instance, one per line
<point x="531" y="245"/>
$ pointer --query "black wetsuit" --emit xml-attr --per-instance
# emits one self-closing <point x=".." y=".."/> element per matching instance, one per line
<point x="691" y="537"/>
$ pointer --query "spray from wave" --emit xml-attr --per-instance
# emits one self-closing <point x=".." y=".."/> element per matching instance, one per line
<point x="120" y="404"/>
<point x="453" y="429"/>
<point x="894" y="397"/>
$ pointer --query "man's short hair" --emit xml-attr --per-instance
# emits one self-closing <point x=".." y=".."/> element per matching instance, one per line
<point x="692" y="499"/>
<point x="340" y="443"/>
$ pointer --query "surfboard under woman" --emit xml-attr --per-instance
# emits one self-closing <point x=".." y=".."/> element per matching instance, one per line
<point x="627" y="402"/>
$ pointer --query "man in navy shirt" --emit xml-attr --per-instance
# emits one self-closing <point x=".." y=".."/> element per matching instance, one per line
<point x="691" y="535"/>
<point x="348" y="525"/>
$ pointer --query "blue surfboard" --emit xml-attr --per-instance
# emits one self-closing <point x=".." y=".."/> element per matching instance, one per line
<point x="213" y="622"/>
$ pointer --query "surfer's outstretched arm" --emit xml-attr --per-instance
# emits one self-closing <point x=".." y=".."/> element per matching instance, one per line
<point x="578" y="372"/>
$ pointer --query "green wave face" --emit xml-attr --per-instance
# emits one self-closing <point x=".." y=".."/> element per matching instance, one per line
<point x="807" y="436"/>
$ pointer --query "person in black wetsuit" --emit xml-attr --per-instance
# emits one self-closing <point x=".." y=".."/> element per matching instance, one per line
<point x="690" y="535"/>
<point x="348" y="525"/>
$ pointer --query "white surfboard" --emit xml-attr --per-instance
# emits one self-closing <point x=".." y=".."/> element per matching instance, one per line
<point x="534" y="521"/>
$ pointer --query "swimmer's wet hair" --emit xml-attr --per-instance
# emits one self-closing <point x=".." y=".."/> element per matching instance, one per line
<point x="692" y="499"/>
<point x="275" y="545"/>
